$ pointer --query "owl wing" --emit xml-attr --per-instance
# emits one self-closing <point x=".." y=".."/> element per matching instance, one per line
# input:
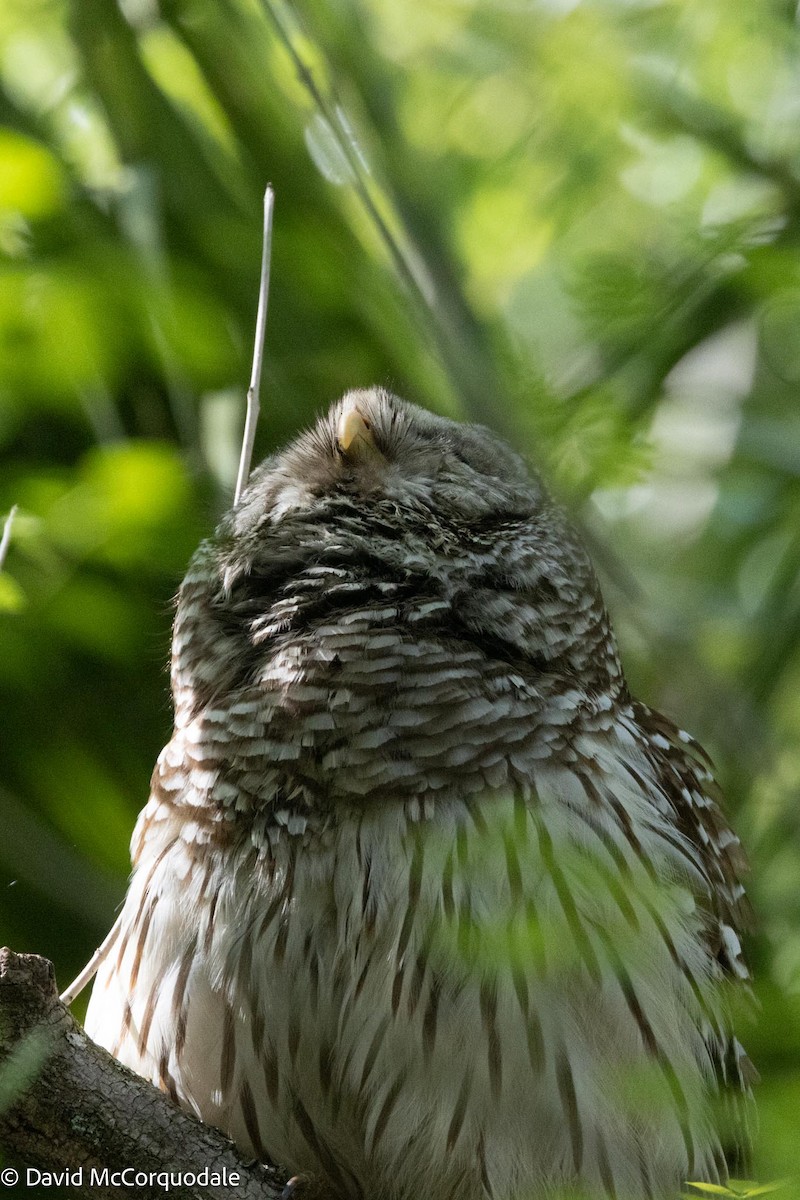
<point x="686" y="777"/>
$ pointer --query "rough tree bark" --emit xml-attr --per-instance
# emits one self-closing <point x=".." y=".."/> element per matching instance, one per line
<point x="81" y="1110"/>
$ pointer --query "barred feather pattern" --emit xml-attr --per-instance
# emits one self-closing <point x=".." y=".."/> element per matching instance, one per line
<point x="423" y="902"/>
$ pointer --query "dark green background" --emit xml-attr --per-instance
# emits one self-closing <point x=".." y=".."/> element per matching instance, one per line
<point x="577" y="222"/>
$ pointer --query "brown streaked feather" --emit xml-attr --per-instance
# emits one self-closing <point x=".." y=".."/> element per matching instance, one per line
<point x="392" y="1096"/>
<point x="293" y="1036"/>
<point x="325" y="1066"/>
<point x="487" y="1187"/>
<point x="604" y="1166"/>
<point x="179" y="1004"/>
<point x="567" y="903"/>
<point x="269" y="1067"/>
<point x="569" y="1100"/>
<point x="147" y="1019"/>
<point x="335" y="1170"/>
<point x="165" y="1079"/>
<point x="247" y="1105"/>
<point x="488" y="1004"/>
<point x="430" y="1018"/>
<point x="459" y="1112"/>
<point x="228" y="1051"/>
<point x="372" y="1054"/>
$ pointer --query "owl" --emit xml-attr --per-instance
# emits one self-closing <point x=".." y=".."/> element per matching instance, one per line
<point x="424" y="902"/>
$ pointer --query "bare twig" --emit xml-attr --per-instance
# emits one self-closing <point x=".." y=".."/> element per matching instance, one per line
<point x="253" y="392"/>
<point x="425" y="268"/>
<point x="90" y="970"/>
<point x="69" y="1105"/>
<point x="251" y="420"/>
<point x="407" y="261"/>
<point x="5" y="540"/>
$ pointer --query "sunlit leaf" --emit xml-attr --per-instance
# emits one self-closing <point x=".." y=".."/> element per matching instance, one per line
<point x="31" y="180"/>
<point x="12" y="597"/>
<point x="712" y="1189"/>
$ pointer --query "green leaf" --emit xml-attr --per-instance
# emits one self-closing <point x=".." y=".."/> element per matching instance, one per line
<point x="12" y="597"/>
<point x="748" y="1188"/>
<point x="713" y="1189"/>
<point x="31" y="181"/>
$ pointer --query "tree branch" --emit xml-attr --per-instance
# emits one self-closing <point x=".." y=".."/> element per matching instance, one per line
<point x="72" y="1106"/>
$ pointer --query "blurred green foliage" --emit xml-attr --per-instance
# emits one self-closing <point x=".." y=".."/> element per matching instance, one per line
<point x="575" y="220"/>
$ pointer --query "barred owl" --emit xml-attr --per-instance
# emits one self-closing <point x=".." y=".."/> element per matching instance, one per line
<point x="424" y="902"/>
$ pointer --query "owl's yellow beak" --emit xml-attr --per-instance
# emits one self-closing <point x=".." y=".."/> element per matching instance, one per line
<point x="355" y="437"/>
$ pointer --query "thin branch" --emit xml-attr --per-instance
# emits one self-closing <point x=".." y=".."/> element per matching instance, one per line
<point x="442" y="315"/>
<point x="253" y="405"/>
<point x="70" y="1105"/>
<point x="5" y="540"/>
<point x="413" y="274"/>
<point x="254" y="391"/>
<point x="90" y="970"/>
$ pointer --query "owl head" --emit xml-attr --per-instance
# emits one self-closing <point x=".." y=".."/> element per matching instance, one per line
<point x="377" y="447"/>
<point x="383" y="508"/>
